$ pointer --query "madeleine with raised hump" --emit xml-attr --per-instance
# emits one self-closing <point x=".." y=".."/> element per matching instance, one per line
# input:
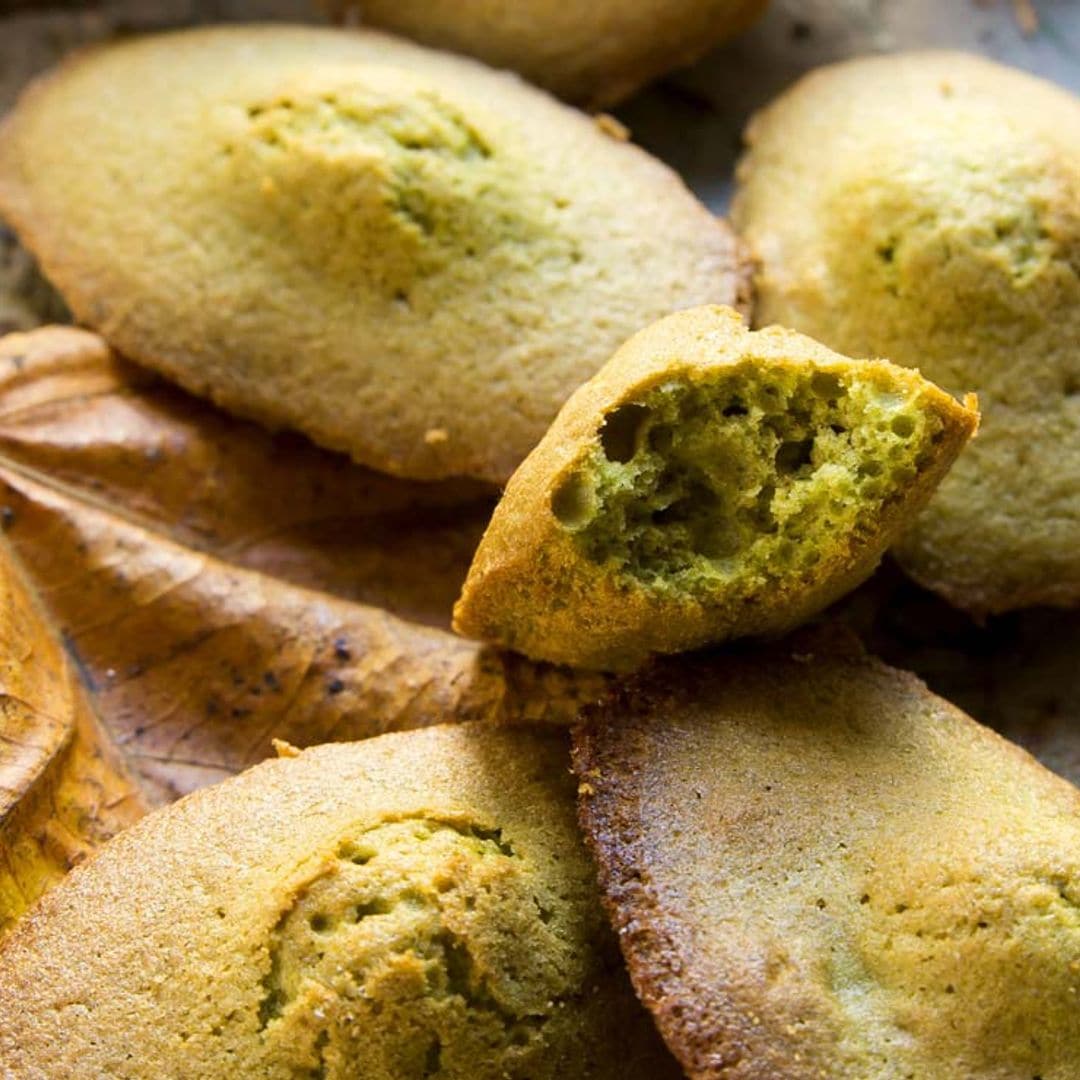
<point x="709" y="483"/>
<point x="401" y="253"/>
<point x="417" y="905"/>
<point x="821" y="871"/>
<point x="925" y="207"/>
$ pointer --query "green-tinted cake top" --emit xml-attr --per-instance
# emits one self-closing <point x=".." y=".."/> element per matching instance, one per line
<point x="924" y="207"/>
<point x="417" y="906"/>
<point x="399" y="252"/>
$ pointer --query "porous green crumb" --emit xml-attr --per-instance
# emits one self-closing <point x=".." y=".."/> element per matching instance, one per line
<point x="742" y="476"/>
<point x="425" y="948"/>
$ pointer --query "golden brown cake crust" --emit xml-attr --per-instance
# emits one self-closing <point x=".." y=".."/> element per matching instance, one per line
<point x="401" y="253"/>
<point x="818" y="869"/>
<point x="416" y="905"/>
<point x="923" y="207"/>
<point x="595" y="53"/>
<point x="534" y="587"/>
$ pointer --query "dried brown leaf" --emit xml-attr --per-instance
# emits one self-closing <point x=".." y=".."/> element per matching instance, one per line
<point x="180" y="551"/>
<point x="63" y="788"/>
<point x="115" y="436"/>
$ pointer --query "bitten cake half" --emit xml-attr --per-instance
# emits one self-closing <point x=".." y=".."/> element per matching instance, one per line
<point x="708" y="483"/>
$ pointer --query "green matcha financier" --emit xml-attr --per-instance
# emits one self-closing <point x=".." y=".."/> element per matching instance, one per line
<point x="710" y="482"/>
<point x="401" y="253"/>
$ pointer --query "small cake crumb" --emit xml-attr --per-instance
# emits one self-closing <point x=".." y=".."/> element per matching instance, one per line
<point x="616" y="129"/>
<point x="1027" y="18"/>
